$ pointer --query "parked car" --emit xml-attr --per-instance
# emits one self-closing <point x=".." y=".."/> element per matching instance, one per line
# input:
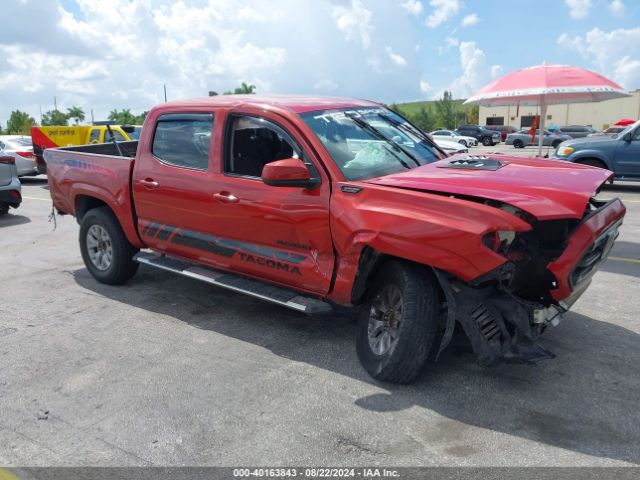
<point x="522" y="138"/>
<point x="10" y="190"/>
<point x="453" y="137"/>
<point x="312" y="202"/>
<point x="620" y="154"/>
<point x="503" y="129"/>
<point x="576" y="131"/>
<point x="449" y="146"/>
<point x="610" y="132"/>
<point x="486" y="137"/>
<point x="19" y="147"/>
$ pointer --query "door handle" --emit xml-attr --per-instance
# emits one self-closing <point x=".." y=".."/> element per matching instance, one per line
<point x="225" y="197"/>
<point x="149" y="183"/>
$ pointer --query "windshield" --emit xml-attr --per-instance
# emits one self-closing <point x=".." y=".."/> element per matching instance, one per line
<point x="135" y="133"/>
<point x="628" y="129"/>
<point x="370" y="142"/>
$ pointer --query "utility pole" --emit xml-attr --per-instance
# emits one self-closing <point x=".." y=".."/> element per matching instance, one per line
<point x="55" y="104"/>
<point x="92" y="117"/>
<point x="165" y="92"/>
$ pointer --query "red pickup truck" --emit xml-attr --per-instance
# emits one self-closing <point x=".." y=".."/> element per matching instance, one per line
<point x="315" y="202"/>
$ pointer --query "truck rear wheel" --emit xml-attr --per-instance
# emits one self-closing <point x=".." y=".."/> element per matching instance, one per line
<point x="106" y="252"/>
<point x="398" y="325"/>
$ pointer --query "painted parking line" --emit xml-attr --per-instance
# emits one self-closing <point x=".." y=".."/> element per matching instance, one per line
<point x="624" y="259"/>
<point x="36" y="198"/>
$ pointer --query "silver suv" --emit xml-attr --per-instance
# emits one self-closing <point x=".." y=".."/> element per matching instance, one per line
<point x="10" y="191"/>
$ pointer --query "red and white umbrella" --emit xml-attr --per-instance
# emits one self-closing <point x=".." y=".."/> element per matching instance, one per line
<point x="544" y="85"/>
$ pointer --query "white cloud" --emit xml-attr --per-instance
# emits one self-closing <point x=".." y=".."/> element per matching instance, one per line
<point x="578" y="8"/>
<point x="120" y="56"/>
<point x="326" y="85"/>
<point x="354" y="22"/>
<point x="616" y="7"/>
<point x="475" y="71"/>
<point x="615" y="54"/>
<point x="443" y="10"/>
<point x="452" y="42"/>
<point x="469" y="20"/>
<point x="414" y="7"/>
<point x="425" y="87"/>
<point x="395" y="58"/>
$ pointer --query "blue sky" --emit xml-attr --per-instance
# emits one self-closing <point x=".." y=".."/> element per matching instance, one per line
<point x="111" y="54"/>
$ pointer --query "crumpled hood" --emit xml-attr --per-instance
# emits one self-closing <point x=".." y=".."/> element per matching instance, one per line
<point x="546" y="189"/>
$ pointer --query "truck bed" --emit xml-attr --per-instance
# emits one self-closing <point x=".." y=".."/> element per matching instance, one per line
<point x="94" y="171"/>
<point x="128" y="149"/>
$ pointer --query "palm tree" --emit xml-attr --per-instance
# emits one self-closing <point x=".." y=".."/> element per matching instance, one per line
<point x="75" y="113"/>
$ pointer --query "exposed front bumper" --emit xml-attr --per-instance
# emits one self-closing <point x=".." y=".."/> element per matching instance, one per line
<point x="587" y="248"/>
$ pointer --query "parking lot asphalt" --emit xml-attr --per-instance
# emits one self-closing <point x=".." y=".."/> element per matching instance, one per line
<point x="168" y="371"/>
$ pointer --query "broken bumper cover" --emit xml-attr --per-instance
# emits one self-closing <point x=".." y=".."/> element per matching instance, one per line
<point x="500" y="327"/>
<point x="587" y="248"/>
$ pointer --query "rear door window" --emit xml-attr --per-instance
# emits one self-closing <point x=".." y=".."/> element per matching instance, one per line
<point x="183" y="140"/>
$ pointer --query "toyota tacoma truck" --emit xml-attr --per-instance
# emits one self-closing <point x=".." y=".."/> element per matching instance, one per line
<point x="317" y="204"/>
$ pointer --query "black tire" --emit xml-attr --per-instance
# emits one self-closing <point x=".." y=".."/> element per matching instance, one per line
<point x="417" y="327"/>
<point x="121" y="266"/>
<point x="462" y="142"/>
<point x="486" y="141"/>
<point x="4" y="209"/>
<point x="593" y="162"/>
<point x="518" y="143"/>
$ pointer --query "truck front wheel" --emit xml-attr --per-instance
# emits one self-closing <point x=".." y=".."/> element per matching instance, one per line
<point x="106" y="252"/>
<point x="398" y="325"/>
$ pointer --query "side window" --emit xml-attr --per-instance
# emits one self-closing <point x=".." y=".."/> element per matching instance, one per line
<point x="253" y="142"/>
<point x="183" y="140"/>
<point x="94" y="137"/>
<point x="636" y="134"/>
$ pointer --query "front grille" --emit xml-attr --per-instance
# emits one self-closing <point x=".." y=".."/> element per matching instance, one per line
<point x="593" y="257"/>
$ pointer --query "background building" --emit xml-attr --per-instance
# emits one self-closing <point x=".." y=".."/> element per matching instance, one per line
<point x="598" y="115"/>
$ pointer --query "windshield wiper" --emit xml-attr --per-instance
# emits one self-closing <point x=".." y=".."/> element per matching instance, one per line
<point x="379" y="134"/>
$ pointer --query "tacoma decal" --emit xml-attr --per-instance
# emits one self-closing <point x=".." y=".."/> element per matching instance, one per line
<point x="224" y="247"/>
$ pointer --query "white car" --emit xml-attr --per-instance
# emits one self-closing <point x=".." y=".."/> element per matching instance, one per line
<point x="448" y="146"/>
<point x="21" y="149"/>
<point x="454" y="137"/>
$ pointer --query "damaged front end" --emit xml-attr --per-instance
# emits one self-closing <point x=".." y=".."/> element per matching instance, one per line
<point x="546" y="269"/>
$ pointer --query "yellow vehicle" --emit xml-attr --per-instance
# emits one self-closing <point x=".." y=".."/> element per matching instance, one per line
<point x="67" y="136"/>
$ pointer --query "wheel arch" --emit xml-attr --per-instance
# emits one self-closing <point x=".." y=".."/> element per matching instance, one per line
<point x="369" y="264"/>
<point x="85" y="201"/>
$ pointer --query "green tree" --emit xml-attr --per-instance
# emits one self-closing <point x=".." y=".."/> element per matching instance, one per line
<point x="445" y="110"/>
<point x="424" y="119"/>
<point x="76" y="113"/>
<point x="473" y="114"/>
<point x="140" y="118"/>
<point x="394" y="108"/>
<point x="122" y="117"/>
<point x="19" y="123"/>
<point x="243" y="89"/>
<point x="55" y="117"/>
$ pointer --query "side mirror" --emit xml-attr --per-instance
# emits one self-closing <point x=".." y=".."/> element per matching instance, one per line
<point x="627" y="137"/>
<point x="290" y="172"/>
